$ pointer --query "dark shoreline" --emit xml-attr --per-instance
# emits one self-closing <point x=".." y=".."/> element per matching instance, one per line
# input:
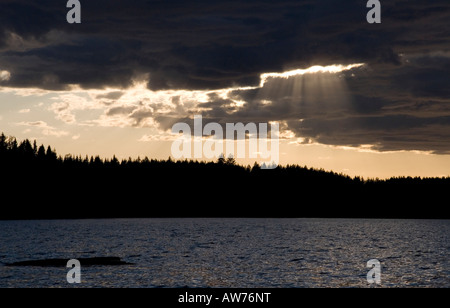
<point x="37" y="184"/>
<point x="145" y="193"/>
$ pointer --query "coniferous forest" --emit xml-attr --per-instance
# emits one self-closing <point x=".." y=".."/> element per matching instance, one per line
<point x="36" y="183"/>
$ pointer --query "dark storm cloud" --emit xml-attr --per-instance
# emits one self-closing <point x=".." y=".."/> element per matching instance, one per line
<point x="385" y="133"/>
<point x="399" y="101"/>
<point x="206" y="44"/>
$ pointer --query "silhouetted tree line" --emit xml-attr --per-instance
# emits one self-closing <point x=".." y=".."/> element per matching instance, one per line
<point x="41" y="184"/>
<point x="12" y="152"/>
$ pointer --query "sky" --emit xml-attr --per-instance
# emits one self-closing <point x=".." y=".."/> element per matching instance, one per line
<point x="362" y="99"/>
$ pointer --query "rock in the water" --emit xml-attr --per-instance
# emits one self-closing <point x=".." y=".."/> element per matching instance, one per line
<point x="111" y="261"/>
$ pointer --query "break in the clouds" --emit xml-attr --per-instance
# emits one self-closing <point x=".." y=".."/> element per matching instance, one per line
<point x="189" y="54"/>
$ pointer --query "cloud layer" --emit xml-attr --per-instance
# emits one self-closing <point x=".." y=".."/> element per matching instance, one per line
<point x="400" y="100"/>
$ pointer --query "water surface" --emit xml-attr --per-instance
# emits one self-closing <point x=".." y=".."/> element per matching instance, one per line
<point x="230" y="252"/>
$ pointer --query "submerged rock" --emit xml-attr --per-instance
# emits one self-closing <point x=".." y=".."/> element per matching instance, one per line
<point x="111" y="261"/>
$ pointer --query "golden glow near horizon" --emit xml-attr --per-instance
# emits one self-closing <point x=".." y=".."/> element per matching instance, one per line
<point x="78" y="121"/>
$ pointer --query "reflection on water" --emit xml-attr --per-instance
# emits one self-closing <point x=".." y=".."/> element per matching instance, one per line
<point x="230" y="252"/>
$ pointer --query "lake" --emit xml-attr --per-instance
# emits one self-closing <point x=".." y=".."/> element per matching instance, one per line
<point x="244" y="253"/>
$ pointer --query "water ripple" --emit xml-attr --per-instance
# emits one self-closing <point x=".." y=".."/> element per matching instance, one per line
<point x="231" y="252"/>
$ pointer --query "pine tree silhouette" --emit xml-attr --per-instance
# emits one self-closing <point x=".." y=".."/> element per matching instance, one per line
<point x="41" y="154"/>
